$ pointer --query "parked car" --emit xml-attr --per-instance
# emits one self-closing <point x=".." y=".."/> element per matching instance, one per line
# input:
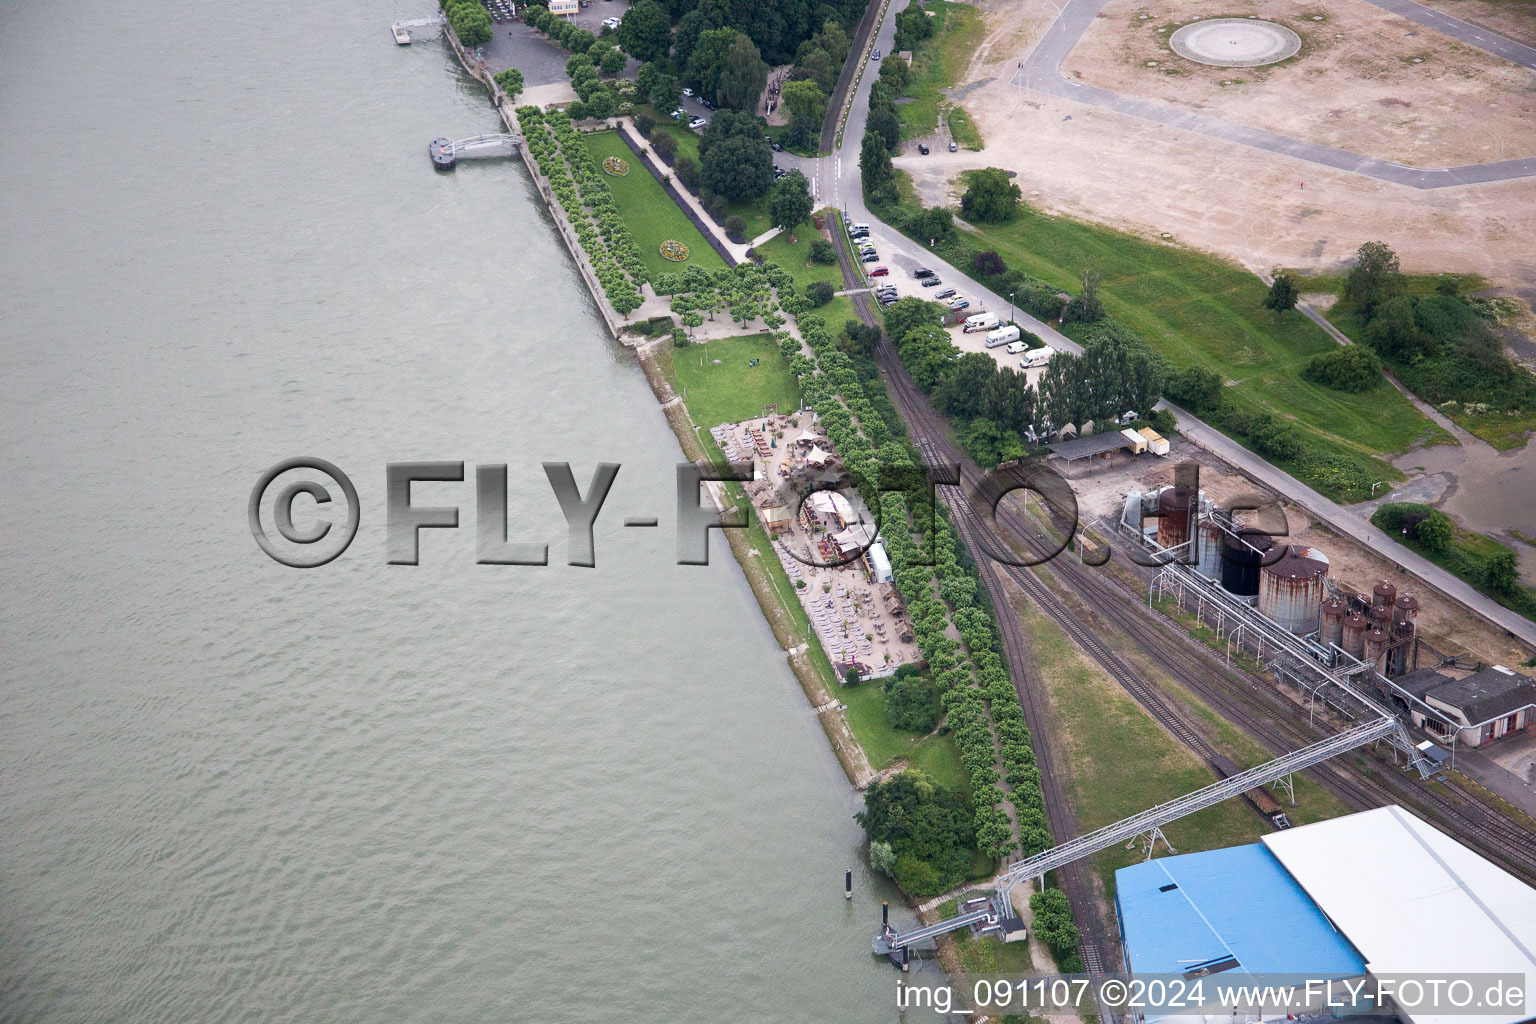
<point x="775" y="147"/>
<point x="697" y="123"/>
<point x="922" y="272"/>
<point x="953" y="148"/>
<point x="875" y="55"/>
<point x="870" y="257"/>
<point x="958" y="304"/>
<point x="931" y="282"/>
<point x="687" y="92"/>
<point x="679" y="114"/>
<point x="922" y="147"/>
<point x="947" y="293"/>
<point x="612" y="23"/>
<point x="1017" y="347"/>
<point x="880" y="272"/>
<point x="704" y="102"/>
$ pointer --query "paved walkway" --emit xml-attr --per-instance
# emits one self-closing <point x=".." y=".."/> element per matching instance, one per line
<point x="1041" y="72"/>
<point x="627" y="125"/>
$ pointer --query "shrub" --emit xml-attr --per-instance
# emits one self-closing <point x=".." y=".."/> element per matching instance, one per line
<point x="1351" y="368"/>
<point x="687" y="170"/>
<point x="988" y="264"/>
<point x="735" y="227"/>
<point x="643" y="124"/>
<point x="665" y="146"/>
<point x="823" y="251"/>
<point x="820" y="292"/>
<point x="909" y="704"/>
<point x="1196" y="388"/>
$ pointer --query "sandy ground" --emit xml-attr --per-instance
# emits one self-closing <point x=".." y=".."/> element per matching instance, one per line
<point x="1365" y="81"/>
<point x="1513" y="18"/>
<point x="1444" y="624"/>
<point x="1261" y="209"/>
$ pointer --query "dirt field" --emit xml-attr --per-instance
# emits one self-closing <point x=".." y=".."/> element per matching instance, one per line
<point x="1261" y="209"/>
<point x="1365" y="81"/>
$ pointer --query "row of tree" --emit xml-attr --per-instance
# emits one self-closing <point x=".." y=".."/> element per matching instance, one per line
<point x="469" y="20"/>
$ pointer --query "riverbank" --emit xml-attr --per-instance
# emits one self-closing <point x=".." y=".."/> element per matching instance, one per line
<point x="773" y="597"/>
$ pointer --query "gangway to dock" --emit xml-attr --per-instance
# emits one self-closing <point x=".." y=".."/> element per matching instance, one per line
<point x="402" y="29"/>
<point x="890" y="940"/>
<point x="445" y="152"/>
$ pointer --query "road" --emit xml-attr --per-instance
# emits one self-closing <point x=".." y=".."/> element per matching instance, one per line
<point x="1041" y="72"/>
<point x="838" y="182"/>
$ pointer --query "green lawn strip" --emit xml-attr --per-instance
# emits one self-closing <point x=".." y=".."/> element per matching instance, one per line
<point x="795" y="257"/>
<point x="687" y="139"/>
<point x="1465" y="558"/>
<point x="649" y="212"/>
<point x="1096" y="725"/>
<point x="936" y="755"/>
<point x="939" y="60"/>
<point x="985" y="955"/>
<point x="720" y="387"/>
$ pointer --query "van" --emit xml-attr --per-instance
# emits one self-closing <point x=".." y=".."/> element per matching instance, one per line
<point x="858" y="229"/>
<point x="1017" y="347"/>
<point x="1037" y="357"/>
<point x="1002" y="336"/>
<point x="980" y="322"/>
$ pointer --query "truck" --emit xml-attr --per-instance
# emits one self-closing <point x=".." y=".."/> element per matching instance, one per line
<point x="981" y="322"/>
<point x="1037" y="357"/>
<point x="1002" y="336"/>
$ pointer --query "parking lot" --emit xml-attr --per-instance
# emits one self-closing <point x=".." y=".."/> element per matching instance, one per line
<point x="515" y="45"/>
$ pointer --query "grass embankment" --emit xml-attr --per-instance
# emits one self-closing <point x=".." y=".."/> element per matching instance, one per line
<point x="1465" y="557"/>
<point x="650" y="214"/>
<point x="1500" y="430"/>
<point x="1197" y="310"/>
<point x="937" y="64"/>
<point x="1094" y="726"/>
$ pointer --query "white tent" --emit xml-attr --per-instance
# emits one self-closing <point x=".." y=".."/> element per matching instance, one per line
<point x="817" y="456"/>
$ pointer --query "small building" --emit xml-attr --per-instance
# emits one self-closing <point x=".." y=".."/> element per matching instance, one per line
<point x="1484" y="706"/>
<point x="776" y="519"/>
<point x="564" y="8"/>
<point x="1088" y="452"/>
<point x="878" y="563"/>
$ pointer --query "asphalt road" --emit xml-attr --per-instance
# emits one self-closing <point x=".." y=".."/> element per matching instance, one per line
<point x="1041" y="72"/>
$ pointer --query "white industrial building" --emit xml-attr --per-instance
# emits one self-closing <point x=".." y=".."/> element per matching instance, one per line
<point x="1405" y="899"/>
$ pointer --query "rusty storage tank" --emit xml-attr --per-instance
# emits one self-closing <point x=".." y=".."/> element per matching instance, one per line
<point x="1175" y="515"/>
<point x="1241" y="554"/>
<point x="1333" y="622"/>
<point x="1291" y="588"/>
<point x="1355" y="626"/>
<point x="1376" y="642"/>
<point x="1405" y="611"/>
<point x="1383" y="596"/>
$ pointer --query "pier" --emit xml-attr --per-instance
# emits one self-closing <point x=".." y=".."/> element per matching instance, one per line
<point x="446" y="153"/>
<point x="402" y="29"/>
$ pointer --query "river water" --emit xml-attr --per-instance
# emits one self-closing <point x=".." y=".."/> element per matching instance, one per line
<point x="235" y="791"/>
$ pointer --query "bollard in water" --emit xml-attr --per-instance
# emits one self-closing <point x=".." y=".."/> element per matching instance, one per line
<point x="848" y="884"/>
<point x="885" y="914"/>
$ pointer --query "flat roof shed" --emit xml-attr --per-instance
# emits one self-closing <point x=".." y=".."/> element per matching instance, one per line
<point x="1087" y="447"/>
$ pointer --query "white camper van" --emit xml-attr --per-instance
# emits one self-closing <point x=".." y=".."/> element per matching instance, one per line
<point x="1037" y="357"/>
<point x="980" y="322"/>
<point x="1002" y="336"/>
<point x="1016" y="347"/>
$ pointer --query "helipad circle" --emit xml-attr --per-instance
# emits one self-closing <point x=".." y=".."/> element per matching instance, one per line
<point x="1235" y="42"/>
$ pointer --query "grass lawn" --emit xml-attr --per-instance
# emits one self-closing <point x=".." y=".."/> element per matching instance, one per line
<point x="795" y="257"/>
<point x="936" y="755"/>
<point x="720" y="386"/>
<point x="1198" y="310"/>
<point x="649" y="212"/>
<point x="937" y="64"/>
<point x="1096" y="725"/>
<point x="687" y="139"/>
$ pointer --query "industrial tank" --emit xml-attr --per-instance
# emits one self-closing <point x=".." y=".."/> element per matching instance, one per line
<point x="1175" y="513"/>
<point x="1383" y="597"/>
<point x="1240" y="557"/>
<point x="1291" y="588"/>
<point x="1333" y="622"/>
<point x="1355" y="626"/>
<point x="1405" y="610"/>
<point x="1208" y="542"/>
<point x="1132" y="515"/>
<point x="1376" y="642"/>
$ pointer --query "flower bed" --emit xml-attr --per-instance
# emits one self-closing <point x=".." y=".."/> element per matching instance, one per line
<point x="672" y="250"/>
<point x="617" y="166"/>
